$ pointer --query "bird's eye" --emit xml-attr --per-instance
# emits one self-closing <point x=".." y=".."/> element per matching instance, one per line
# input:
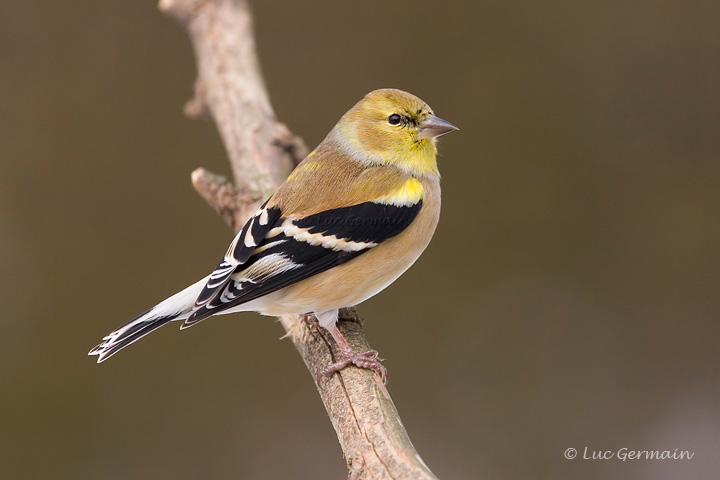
<point x="394" y="119"/>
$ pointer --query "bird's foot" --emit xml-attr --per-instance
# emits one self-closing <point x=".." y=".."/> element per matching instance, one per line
<point x="367" y="359"/>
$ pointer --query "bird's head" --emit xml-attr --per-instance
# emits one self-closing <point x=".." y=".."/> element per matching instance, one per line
<point x="395" y="127"/>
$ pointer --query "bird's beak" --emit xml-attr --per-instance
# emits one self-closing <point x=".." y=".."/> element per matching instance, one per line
<point x="434" y="126"/>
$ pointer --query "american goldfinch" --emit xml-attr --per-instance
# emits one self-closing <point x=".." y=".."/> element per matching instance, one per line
<point x="349" y="220"/>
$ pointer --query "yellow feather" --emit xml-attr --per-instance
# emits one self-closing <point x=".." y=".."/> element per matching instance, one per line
<point x="409" y="193"/>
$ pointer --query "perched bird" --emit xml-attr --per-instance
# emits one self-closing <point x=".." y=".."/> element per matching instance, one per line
<point x="349" y="220"/>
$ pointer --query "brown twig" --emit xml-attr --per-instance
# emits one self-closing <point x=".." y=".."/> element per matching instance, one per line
<point x="262" y="152"/>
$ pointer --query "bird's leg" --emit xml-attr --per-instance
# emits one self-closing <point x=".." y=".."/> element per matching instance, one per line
<point x="346" y="356"/>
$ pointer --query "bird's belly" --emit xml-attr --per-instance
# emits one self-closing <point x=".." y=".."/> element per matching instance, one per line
<point x="345" y="285"/>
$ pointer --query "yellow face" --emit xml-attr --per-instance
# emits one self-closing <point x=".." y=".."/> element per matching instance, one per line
<point x="387" y="126"/>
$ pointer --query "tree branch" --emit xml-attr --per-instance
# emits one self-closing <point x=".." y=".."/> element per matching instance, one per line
<point x="230" y="90"/>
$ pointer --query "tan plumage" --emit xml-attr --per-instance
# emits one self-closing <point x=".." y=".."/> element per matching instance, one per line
<point x="350" y="219"/>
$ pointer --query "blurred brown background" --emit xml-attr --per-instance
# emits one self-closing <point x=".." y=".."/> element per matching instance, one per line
<point x="569" y="298"/>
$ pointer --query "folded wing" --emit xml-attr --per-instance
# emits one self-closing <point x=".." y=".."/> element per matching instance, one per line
<point x="272" y="252"/>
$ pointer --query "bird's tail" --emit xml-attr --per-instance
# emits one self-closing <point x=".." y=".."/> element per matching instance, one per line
<point x="177" y="307"/>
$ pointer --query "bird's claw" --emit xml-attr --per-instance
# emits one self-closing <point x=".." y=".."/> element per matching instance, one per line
<point x="367" y="359"/>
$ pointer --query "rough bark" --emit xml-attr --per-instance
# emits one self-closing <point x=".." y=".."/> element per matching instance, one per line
<point x="262" y="151"/>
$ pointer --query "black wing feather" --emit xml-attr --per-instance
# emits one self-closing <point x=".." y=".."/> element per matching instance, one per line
<point x="366" y="222"/>
<point x="239" y="253"/>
